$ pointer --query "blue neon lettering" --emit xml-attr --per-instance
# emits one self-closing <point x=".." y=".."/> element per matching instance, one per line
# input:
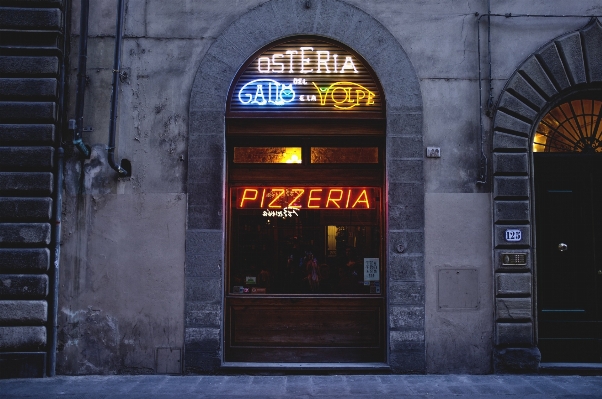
<point x="277" y="93"/>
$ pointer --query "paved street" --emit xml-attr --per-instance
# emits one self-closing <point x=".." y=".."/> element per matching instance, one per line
<point x="306" y="386"/>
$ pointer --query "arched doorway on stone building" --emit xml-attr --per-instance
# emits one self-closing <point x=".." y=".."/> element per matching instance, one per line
<point x="211" y="186"/>
<point x="546" y="194"/>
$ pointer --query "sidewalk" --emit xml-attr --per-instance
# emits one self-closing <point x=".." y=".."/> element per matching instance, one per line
<point x="305" y="386"/>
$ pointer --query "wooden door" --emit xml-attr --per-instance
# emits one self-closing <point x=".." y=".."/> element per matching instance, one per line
<point x="568" y="199"/>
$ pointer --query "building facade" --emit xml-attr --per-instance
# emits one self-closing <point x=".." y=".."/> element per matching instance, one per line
<point x="319" y="185"/>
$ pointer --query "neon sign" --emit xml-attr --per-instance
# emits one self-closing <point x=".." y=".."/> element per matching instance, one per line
<point x="295" y="198"/>
<point x="264" y="91"/>
<point x="276" y="63"/>
<point x="306" y="75"/>
<point x="343" y="95"/>
<point x="346" y="95"/>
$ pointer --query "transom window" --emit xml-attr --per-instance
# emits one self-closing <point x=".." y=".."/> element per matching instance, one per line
<point x="574" y="126"/>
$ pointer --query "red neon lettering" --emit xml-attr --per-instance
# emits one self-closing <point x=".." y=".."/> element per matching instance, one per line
<point x="334" y="200"/>
<point x="304" y="197"/>
<point x="311" y="198"/>
<point x="281" y="190"/>
<point x="359" y="200"/>
<point x="244" y="196"/>
<point x="292" y="204"/>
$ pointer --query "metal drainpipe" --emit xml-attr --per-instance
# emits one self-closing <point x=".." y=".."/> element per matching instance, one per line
<point x="125" y="169"/>
<point x="57" y="206"/>
<point x="78" y="125"/>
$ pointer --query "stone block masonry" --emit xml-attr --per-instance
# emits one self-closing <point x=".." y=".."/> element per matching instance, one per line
<point x="30" y="60"/>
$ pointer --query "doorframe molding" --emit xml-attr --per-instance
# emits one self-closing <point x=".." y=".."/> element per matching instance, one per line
<point x="564" y="66"/>
<point x="206" y="180"/>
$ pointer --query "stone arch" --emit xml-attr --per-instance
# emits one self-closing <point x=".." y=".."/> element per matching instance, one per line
<point x="564" y="66"/>
<point x="205" y="232"/>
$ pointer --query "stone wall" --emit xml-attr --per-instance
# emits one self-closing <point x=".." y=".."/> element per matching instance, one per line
<point x="142" y="257"/>
<point x="31" y="55"/>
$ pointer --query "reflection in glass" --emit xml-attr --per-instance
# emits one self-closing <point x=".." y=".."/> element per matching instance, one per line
<point x="344" y="155"/>
<point x="267" y="155"/>
<point x="574" y="126"/>
<point x="315" y="252"/>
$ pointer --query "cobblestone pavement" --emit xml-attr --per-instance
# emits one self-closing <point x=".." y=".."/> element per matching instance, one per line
<point x="306" y="386"/>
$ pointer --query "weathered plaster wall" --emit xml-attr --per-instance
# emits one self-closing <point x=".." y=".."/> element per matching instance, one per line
<point x="123" y="266"/>
<point x="459" y="333"/>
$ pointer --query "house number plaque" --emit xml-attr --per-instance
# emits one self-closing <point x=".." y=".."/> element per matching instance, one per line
<point x="513" y="235"/>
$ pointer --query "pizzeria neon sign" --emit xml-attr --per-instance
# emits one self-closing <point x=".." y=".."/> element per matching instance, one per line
<point x="295" y="198"/>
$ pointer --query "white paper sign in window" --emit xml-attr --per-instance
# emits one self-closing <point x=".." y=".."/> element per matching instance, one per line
<point x="371" y="269"/>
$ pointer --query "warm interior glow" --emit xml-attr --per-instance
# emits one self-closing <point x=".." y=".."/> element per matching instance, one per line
<point x="290" y="155"/>
<point x="573" y="126"/>
<point x="344" y="155"/>
<point x="539" y="142"/>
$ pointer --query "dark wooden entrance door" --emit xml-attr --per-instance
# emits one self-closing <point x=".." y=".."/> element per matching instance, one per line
<point x="568" y="201"/>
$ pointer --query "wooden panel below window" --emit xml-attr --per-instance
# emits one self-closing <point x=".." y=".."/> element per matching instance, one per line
<point x="315" y="330"/>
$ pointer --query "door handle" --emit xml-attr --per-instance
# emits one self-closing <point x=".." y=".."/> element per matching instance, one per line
<point x="562" y="247"/>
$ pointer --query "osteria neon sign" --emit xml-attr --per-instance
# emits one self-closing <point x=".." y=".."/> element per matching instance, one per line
<point x="305" y="78"/>
<point x="307" y="198"/>
<point x="322" y="62"/>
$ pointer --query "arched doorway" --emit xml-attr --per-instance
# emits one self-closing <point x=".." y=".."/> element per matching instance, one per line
<point x="305" y="259"/>
<point x="208" y="192"/>
<point x="545" y="188"/>
<point x="567" y="159"/>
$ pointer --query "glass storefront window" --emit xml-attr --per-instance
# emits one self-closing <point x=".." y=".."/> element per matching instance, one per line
<point x="344" y="155"/>
<point x="311" y="246"/>
<point x="267" y="155"/>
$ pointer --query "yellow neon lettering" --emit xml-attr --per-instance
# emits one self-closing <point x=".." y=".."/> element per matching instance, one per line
<point x="281" y="190"/>
<point x="262" y="198"/>
<point x="320" y="91"/>
<point x="346" y="90"/>
<point x="280" y="64"/>
<point x="305" y="60"/>
<point x="334" y="200"/>
<point x="323" y="61"/>
<point x="362" y="199"/>
<point x="244" y="196"/>
<point x="357" y="96"/>
<point x="292" y="204"/>
<point x="311" y="198"/>
<point x="348" y="197"/>
<point x="361" y="93"/>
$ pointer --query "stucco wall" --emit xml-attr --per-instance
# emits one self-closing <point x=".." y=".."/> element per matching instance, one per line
<point x="123" y="253"/>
